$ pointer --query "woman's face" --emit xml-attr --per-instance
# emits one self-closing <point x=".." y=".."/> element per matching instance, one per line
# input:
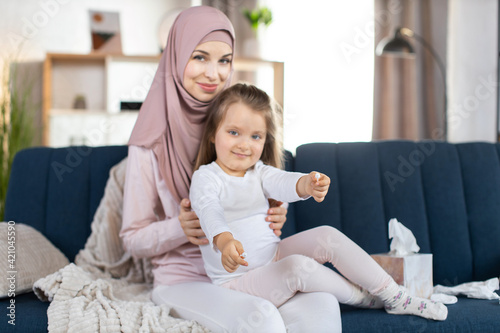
<point x="207" y="70"/>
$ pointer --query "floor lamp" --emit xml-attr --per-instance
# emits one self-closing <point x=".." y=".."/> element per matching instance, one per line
<point x="398" y="45"/>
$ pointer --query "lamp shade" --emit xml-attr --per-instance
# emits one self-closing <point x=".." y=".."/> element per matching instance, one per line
<point x="397" y="45"/>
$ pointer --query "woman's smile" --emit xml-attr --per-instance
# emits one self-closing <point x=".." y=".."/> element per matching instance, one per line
<point x="208" y="87"/>
<point x="207" y="70"/>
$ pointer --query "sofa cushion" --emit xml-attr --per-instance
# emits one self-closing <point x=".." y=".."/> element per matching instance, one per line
<point x="448" y="195"/>
<point x="468" y="315"/>
<point x="66" y="187"/>
<point x="371" y="182"/>
<point x="480" y="165"/>
<point x="31" y="257"/>
<point x="30" y="314"/>
<point x="447" y="215"/>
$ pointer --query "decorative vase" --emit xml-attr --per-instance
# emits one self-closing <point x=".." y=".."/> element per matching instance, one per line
<point x="79" y="102"/>
<point x="251" y="48"/>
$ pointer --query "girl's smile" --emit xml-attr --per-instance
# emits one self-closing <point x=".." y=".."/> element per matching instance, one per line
<point x="241" y="155"/>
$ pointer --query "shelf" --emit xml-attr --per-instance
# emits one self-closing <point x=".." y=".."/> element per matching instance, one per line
<point x="57" y="112"/>
<point x="99" y="57"/>
<point x="107" y="79"/>
<point x="91" y="128"/>
<point x="274" y="69"/>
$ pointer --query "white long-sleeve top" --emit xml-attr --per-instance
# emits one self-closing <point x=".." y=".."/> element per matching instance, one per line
<point x="239" y="205"/>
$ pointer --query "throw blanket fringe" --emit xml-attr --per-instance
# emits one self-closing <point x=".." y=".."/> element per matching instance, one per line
<point x="107" y="290"/>
<point x="81" y="303"/>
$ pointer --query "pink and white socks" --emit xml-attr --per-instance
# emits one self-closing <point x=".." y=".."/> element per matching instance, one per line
<point x="361" y="298"/>
<point x="397" y="301"/>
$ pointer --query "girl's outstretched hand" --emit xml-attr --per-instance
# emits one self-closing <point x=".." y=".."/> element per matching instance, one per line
<point x="317" y="185"/>
<point x="231" y="250"/>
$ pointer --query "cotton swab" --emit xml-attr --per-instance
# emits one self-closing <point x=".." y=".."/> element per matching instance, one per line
<point x="243" y="255"/>
<point x="317" y="175"/>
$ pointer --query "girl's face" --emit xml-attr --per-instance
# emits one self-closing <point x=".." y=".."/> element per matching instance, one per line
<point x="207" y="70"/>
<point x="240" y="139"/>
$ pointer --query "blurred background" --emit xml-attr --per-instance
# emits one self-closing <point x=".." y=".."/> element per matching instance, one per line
<point x="334" y="86"/>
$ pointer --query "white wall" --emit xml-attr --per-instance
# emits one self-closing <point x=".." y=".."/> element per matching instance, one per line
<point x="63" y="25"/>
<point x="328" y="50"/>
<point x="31" y="28"/>
<point x="472" y="70"/>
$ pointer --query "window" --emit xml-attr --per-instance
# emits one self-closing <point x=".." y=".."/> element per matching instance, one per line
<point x="328" y="50"/>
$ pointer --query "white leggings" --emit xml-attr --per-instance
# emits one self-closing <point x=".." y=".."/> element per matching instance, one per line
<point x="224" y="310"/>
<point x="298" y="267"/>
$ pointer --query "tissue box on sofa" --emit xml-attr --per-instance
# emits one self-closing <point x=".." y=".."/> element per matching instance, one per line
<point x="412" y="271"/>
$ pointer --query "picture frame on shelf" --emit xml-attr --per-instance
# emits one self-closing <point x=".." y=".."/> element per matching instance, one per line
<point x="105" y="32"/>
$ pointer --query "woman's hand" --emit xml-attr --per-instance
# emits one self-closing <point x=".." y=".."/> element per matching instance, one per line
<point x="276" y="215"/>
<point x="191" y="224"/>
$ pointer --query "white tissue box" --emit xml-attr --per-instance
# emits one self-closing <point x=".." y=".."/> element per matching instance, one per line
<point x="412" y="271"/>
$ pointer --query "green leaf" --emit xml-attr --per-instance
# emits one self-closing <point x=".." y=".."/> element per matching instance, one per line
<point x="258" y="16"/>
<point x="17" y="119"/>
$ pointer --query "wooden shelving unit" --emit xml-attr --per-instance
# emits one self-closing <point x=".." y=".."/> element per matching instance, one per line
<point x="104" y="79"/>
<point x="254" y="65"/>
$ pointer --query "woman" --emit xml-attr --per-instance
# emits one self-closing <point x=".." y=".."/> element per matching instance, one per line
<point x="157" y="217"/>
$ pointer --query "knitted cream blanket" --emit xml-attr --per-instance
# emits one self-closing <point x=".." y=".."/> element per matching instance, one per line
<point x="106" y="290"/>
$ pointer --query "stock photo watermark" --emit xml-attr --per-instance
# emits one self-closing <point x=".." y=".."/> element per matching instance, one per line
<point x="298" y="269"/>
<point x="257" y="318"/>
<point x="484" y="90"/>
<point x="11" y="273"/>
<point x="138" y="92"/>
<point x="38" y="20"/>
<point x="363" y="36"/>
<point x="409" y="164"/>
<point x="75" y="155"/>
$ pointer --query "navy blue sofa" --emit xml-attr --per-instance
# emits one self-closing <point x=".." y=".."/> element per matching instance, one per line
<point x="447" y="194"/>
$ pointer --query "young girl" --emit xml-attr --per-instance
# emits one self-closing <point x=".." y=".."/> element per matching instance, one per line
<point x="237" y="170"/>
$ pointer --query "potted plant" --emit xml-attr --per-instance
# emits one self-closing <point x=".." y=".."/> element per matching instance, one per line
<point x="256" y="17"/>
<point x="259" y="17"/>
<point x="17" y="121"/>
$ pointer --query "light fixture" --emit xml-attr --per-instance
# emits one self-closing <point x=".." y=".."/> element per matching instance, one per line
<point x="399" y="46"/>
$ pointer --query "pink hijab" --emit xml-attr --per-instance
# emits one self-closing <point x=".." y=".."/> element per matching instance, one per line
<point x="170" y="121"/>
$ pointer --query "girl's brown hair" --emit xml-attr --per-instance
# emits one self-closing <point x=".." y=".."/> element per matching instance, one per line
<point x="257" y="100"/>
